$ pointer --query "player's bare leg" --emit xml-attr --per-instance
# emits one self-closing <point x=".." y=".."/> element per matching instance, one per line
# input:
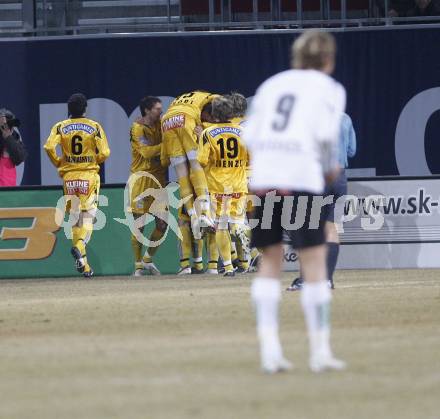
<point x="315" y="301"/>
<point x="266" y="296"/>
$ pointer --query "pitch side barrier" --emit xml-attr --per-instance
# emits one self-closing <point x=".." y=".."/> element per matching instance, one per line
<point x="385" y="222"/>
<point x="35" y="244"/>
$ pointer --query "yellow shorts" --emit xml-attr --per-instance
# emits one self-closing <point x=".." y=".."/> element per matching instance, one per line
<point x="141" y="185"/>
<point x="178" y="137"/>
<point x="230" y="207"/>
<point x="81" y="190"/>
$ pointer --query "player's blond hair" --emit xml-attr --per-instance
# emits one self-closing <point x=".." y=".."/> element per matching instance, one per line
<point x="313" y="50"/>
<point x="222" y="109"/>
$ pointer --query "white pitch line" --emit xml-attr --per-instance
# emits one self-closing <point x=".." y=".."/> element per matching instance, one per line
<point x="388" y="284"/>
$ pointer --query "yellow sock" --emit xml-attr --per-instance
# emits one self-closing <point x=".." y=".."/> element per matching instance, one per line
<point x="186" y="191"/>
<point x="223" y="240"/>
<point x="212" y="250"/>
<point x="137" y="251"/>
<point x="75" y="235"/>
<point x="185" y="244"/>
<point x="81" y="236"/>
<point x="155" y="236"/>
<point x="197" y="252"/>
<point x="198" y="180"/>
<point x="254" y="252"/>
<point x="233" y="249"/>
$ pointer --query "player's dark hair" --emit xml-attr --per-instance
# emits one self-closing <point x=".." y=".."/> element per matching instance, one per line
<point x="222" y="109"/>
<point x="77" y="105"/>
<point x="147" y="103"/>
<point x="239" y="103"/>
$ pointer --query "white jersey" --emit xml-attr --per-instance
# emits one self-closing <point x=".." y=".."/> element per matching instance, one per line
<point x="292" y="115"/>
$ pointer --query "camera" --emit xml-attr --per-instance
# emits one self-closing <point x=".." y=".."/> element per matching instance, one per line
<point x="11" y="120"/>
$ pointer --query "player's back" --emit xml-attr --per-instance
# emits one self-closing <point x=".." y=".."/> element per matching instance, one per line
<point x="190" y="103"/>
<point x="80" y="144"/>
<point x="292" y="113"/>
<point x="227" y="158"/>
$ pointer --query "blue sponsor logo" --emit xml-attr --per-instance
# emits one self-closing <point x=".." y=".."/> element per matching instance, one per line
<point x="222" y="130"/>
<point x="78" y="127"/>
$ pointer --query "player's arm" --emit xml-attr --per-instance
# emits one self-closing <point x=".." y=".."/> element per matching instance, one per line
<point x="147" y="151"/>
<point x="351" y="150"/>
<point x="329" y="112"/>
<point x="52" y="142"/>
<point x="140" y="144"/>
<point x="204" y="149"/>
<point x="102" y="148"/>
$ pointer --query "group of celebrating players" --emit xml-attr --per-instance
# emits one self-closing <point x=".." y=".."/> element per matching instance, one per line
<point x="199" y="137"/>
<point x="292" y="133"/>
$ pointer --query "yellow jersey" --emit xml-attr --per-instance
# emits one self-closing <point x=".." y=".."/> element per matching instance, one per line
<point x="83" y="145"/>
<point x="146" y="143"/>
<point x="191" y="104"/>
<point x="238" y="120"/>
<point x="224" y="157"/>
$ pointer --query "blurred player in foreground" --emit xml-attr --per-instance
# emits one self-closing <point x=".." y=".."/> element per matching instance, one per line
<point x="83" y="148"/>
<point x="146" y="143"/>
<point x="292" y="133"/>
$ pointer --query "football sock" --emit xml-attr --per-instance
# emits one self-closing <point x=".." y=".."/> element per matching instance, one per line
<point x="266" y="296"/>
<point x="212" y="250"/>
<point x="185" y="244"/>
<point x="198" y="180"/>
<point x="186" y="191"/>
<point x="155" y="236"/>
<point x="197" y="249"/>
<point x="332" y="258"/>
<point x="81" y="236"/>
<point x="223" y="240"/>
<point x="137" y="251"/>
<point x="315" y="301"/>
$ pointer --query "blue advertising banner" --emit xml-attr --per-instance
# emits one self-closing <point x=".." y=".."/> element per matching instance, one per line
<point x="391" y="77"/>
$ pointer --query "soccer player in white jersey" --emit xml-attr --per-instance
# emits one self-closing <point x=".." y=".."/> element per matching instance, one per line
<point x="292" y="133"/>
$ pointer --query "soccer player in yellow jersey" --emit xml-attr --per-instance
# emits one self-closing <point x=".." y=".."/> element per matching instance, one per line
<point x="239" y="104"/>
<point x="146" y="143"/>
<point x="224" y="156"/>
<point x="83" y="148"/>
<point x="180" y="149"/>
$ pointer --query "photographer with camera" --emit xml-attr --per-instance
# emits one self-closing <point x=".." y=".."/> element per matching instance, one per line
<point x="12" y="150"/>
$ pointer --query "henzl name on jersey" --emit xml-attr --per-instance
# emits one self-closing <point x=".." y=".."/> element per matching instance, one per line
<point x="229" y="163"/>
<point x="173" y="122"/>
<point x="74" y="187"/>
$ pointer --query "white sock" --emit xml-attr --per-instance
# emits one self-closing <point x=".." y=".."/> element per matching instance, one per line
<point x="315" y="301"/>
<point x="266" y="295"/>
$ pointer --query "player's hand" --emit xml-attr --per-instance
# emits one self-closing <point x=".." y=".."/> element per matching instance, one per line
<point x="198" y="130"/>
